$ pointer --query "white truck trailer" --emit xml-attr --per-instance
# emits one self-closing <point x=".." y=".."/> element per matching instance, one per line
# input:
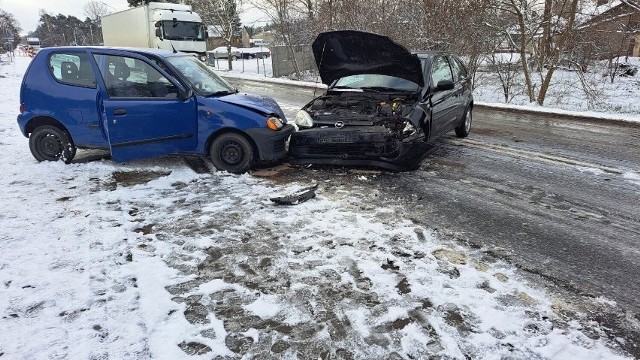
<point x="156" y="25"/>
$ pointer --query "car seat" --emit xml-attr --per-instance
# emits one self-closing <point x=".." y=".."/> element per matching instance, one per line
<point x="117" y="84"/>
<point x="121" y="71"/>
<point x="69" y="72"/>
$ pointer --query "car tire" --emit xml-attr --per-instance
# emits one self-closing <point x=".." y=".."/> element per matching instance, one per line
<point x="231" y="152"/>
<point x="234" y="58"/>
<point x="462" y="131"/>
<point x="50" y="143"/>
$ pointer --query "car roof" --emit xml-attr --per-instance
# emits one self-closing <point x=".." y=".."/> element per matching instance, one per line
<point x="142" y="51"/>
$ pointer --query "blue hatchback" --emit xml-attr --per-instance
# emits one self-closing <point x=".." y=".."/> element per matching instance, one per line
<point x="141" y="103"/>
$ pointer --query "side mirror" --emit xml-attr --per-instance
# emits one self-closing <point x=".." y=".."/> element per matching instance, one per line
<point x="159" y="33"/>
<point x="445" y="85"/>
<point x="157" y="24"/>
<point x="206" y="34"/>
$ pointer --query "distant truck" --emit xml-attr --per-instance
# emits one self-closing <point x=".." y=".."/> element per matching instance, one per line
<point x="156" y="25"/>
<point x="33" y="42"/>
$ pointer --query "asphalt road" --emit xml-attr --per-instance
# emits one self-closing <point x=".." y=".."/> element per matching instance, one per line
<point x="559" y="197"/>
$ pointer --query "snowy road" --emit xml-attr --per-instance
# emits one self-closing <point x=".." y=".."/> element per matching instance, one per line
<point x="560" y="195"/>
<point x="152" y="260"/>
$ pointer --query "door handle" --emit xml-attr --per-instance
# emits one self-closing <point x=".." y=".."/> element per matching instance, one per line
<point x="118" y="112"/>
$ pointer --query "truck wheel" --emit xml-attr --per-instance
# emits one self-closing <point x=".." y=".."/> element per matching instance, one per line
<point x="50" y="143"/>
<point x="464" y="128"/>
<point x="231" y="152"/>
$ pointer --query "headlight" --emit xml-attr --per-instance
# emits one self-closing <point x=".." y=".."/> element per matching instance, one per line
<point x="274" y="123"/>
<point x="303" y="119"/>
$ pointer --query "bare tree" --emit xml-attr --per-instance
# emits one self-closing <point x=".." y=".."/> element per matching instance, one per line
<point x="284" y="14"/>
<point x="224" y="15"/>
<point x="546" y="38"/>
<point x="94" y="10"/>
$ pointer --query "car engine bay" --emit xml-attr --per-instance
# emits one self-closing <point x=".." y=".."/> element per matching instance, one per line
<point x="362" y="109"/>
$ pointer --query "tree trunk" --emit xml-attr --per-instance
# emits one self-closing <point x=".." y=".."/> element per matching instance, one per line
<point x="556" y="52"/>
<point x="523" y="52"/>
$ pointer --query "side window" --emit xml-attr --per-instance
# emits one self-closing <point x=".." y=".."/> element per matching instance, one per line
<point x="440" y="70"/>
<point x="133" y="78"/>
<point x="72" y="69"/>
<point x="459" y="71"/>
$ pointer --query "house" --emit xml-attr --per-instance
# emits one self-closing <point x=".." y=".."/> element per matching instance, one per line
<point x="215" y="37"/>
<point x="610" y="29"/>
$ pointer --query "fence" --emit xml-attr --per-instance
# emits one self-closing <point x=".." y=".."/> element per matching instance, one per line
<point x="283" y="64"/>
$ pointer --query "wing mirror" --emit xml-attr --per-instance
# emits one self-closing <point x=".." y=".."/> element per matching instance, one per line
<point x="159" y="33"/>
<point x="445" y="85"/>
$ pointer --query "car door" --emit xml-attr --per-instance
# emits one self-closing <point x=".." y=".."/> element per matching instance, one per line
<point x="142" y="110"/>
<point x="462" y="86"/>
<point x="443" y="102"/>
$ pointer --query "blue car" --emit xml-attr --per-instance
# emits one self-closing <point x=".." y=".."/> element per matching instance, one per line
<point x="141" y="103"/>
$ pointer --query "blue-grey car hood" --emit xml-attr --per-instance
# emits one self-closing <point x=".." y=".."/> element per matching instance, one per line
<point x="349" y="52"/>
<point x="262" y="104"/>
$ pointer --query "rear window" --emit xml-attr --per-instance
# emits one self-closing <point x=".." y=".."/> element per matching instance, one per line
<point x="72" y="69"/>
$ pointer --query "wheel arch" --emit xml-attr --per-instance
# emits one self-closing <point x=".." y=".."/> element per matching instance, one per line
<point x="41" y="120"/>
<point x="223" y="131"/>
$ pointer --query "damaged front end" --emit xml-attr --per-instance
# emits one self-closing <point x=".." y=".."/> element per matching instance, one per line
<point x="380" y="129"/>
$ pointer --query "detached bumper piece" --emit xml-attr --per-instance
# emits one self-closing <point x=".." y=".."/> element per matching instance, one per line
<point x="365" y="146"/>
<point x="297" y="198"/>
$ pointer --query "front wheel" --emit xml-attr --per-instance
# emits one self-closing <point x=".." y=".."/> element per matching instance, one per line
<point x="50" y="143"/>
<point x="231" y="152"/>
<point x="464" y="128"/>
<point x="234" y="58"/>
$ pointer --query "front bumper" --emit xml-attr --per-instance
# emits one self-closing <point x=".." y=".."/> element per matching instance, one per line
<point x="272" y="145"/>
<point x="366" y="145"/>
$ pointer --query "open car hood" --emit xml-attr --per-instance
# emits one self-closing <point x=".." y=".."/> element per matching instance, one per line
<point x="343" y="53"/>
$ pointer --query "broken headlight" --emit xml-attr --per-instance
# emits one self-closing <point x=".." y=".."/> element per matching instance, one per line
<point x="303" y="119"/>
<point x="409" y="129"/>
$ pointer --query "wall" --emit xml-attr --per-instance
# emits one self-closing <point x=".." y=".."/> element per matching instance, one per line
<point x="283" y="63"/>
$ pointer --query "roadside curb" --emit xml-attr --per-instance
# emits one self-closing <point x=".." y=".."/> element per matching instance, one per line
<point x="622" y="119"/>
<point x="588" y="116"/>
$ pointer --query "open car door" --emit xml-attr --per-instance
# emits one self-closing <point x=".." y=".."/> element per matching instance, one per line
<point x="142" y="110"/>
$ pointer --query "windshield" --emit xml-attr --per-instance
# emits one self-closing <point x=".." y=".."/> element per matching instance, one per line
<point x="202" y="79"/>
<point x="183" y="30"/>
<point x="376" y="82"/>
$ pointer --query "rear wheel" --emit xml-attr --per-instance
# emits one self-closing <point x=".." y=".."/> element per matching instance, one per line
<point x="234" y="58"/>
<point x="232" y="152"/>
<point x="50" y="143"/>
<point x="464" y="128"/>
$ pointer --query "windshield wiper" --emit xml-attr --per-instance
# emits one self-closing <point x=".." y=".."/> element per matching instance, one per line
<point x="221" y="92"/>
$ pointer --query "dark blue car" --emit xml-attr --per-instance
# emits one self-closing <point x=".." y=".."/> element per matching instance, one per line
<point x="141" y="103"/>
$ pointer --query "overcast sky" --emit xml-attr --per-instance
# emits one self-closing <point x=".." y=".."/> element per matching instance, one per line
<point x="26" y="11"/>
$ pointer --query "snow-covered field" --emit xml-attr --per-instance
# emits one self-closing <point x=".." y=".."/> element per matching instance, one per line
<point x="152" y="260"/>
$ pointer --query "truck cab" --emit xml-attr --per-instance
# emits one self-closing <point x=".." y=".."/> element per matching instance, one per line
<point x="157" y="25"/>
<point x="141" y="103"/>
